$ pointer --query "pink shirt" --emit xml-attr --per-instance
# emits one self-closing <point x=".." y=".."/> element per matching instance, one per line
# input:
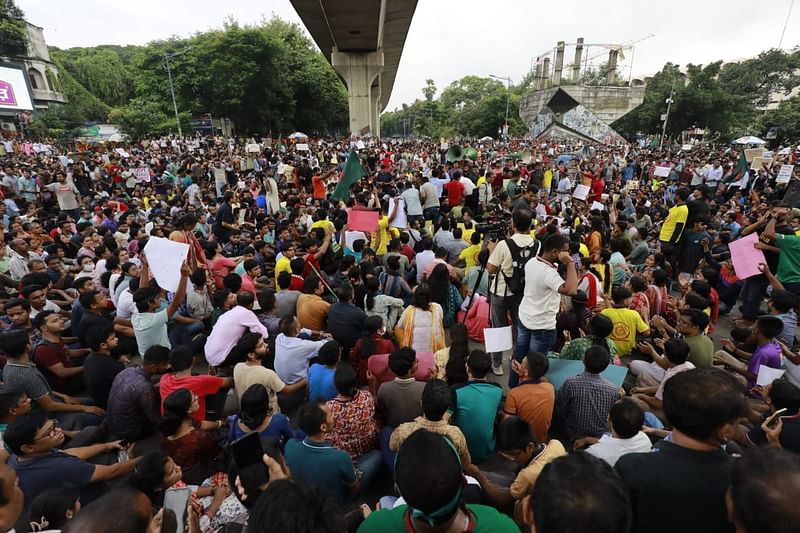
<point x="228" y="330"/>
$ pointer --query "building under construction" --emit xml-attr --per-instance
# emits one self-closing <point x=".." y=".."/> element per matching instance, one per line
<point x="582" y="99"/>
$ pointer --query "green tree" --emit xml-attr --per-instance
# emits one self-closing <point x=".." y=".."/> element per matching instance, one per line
<point x="699" y="99"/>
<point x="429" y="90"/>
<point x="142" y="118"/>
<point x="756" y="79"/>
<point x="100" y="71"/>
<point x="786" y="118"/>
<point x="13" y="32"/>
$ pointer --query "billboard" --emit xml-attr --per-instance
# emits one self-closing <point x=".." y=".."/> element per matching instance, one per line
<point x="15" y="93"/>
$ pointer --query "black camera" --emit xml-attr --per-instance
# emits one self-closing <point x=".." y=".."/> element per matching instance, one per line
<point x="493" y="229"/>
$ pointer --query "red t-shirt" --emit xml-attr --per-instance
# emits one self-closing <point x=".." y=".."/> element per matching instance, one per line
<point x="319" y="187"/>
<point x="297" y="283"/>
<point x="201" y="385"/>
<point x="408" y="251"/>
<point x="455" y="192"/>
<point x="48" y="354"/>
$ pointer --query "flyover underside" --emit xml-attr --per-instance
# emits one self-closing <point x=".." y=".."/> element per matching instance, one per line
<point x="368" y="36"/>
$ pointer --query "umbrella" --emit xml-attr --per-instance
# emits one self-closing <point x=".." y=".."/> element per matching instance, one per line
<point x="298" y="135"/>
<point x="749" y="139"/>
<point x="116" y="138"/>
<point x="487" y="138"/>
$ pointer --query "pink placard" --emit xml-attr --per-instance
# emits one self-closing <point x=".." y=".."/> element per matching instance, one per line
<point x="745" y="257"/>
<point x="362" y="220"/>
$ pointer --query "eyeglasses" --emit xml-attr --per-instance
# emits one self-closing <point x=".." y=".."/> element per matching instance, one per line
<point x="52" y="432"/>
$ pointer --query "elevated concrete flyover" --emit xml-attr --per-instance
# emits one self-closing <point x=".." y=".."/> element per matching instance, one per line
<point x="363" y="40"/>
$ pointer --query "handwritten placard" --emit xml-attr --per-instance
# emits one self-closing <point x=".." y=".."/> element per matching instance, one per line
<point x="141" y="173"/>
<point x="785" y="174"/>
<point x="752" y="153"/>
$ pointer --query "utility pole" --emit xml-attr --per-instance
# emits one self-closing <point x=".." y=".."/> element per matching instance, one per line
<point x="507" y="79"/>
<point x="172" y="87"/>
<point x="666" y="116"/>
<point x="789" y="14"/>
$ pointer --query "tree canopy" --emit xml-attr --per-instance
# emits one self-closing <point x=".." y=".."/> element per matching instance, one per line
<point x="13" y="33"/>
<point x="264" y="77"/>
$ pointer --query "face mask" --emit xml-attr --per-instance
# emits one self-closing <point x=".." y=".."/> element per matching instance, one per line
<point x="88" y="267"/>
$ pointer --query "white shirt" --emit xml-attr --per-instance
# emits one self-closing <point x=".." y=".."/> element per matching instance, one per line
<point x="125" y="304"/>
<point x="610" y="449"/>
<point x="670" y="373"/>
<point x="713" y="175"/>
<point x="469" y="186"/>
<point x="292" y="355"/>
<point x="541" y="300"/>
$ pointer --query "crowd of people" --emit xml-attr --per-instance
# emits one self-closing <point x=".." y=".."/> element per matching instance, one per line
<point x="356" y="357"/>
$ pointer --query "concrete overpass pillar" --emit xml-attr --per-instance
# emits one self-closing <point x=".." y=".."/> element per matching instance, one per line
<point x="375" y="110"/>
<point x="359" y="70"/>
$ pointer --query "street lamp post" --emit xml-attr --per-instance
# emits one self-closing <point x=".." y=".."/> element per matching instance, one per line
<point x="666" y="115"/>
<point x="507" y="79"/>
<point x="172" y="87"/>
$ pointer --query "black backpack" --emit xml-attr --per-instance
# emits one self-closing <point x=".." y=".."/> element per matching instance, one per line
<point x="520" y="255"/>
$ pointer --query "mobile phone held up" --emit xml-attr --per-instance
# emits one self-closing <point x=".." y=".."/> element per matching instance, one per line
<point x="773" y="418"/>
<point x="177" y="501"/>
<point x="247" y="451"/>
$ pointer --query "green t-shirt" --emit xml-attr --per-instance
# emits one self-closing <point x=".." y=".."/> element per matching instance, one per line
<point x="701" y="350"/>
<point x="487" y="520"/>
<point x="788" y="259"/>
<point x="477" y="403"/>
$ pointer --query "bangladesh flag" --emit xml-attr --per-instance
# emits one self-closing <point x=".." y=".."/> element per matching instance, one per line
<point x="740" y="172"/>
<point x="353" y="171"/>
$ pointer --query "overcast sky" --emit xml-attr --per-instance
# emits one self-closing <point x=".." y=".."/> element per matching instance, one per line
<point x="449" y="39"/>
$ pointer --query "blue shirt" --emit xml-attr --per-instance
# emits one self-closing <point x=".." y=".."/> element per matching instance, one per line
<point x="320" y="383"/>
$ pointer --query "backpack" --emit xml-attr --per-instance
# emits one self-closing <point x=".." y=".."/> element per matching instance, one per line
<point x="520" y="255"/>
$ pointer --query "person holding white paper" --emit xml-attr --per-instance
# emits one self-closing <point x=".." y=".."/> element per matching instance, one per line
<point x="149" y="324"/>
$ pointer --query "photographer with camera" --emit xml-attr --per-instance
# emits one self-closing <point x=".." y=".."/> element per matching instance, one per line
<point x="507" y="256"/>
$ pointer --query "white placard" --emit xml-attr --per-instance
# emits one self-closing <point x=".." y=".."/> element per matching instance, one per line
<point x="598" y="205"/>
<point x="254" y="148"/>
<point x="766" y="375"/>
<point x="352" y="236"/>
<point x="360" y="145"/>
<point x="302" y="147"/>
<point x="122" y="152"/>
<point x="165" y="258"/>
<point x="400" y="219"/>
<point x="662" y="172"/>
<point x="785" y="174"/>
<point x="141" y="173"/>
<point x="581" y="192"/>
<point x="498" y="339"/>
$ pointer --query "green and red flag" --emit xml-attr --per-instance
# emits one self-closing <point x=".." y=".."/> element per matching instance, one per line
<point x="353" y="171"/>
<point x="740" y="171"/>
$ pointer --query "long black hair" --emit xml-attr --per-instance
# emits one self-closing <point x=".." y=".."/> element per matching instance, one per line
<point x="456" y="370"/>
<point x="372" y="324"/>
<point x="255" y="406"/>
<point x="439" y="282"/>
<point x="176" y="410"/>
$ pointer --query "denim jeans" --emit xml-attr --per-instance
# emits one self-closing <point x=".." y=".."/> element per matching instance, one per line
<point x="530" y="340"/>
<point x="387" y="454"/>
<point x="368" y="466"/>
<point x="752" y="295"/>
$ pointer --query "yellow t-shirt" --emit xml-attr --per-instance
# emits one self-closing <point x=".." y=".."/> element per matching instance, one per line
<point x="470" y="255"/>
<point x="627" y="323"/>
<point x="677" y="215"/>
<point x="387" y="233"/>
<point x="583" y="250"/>
<point x="466" y="234"/>
<point x="327" y="225"/>
<point x="548" y="178"/>
<point x="282" y="265"/>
